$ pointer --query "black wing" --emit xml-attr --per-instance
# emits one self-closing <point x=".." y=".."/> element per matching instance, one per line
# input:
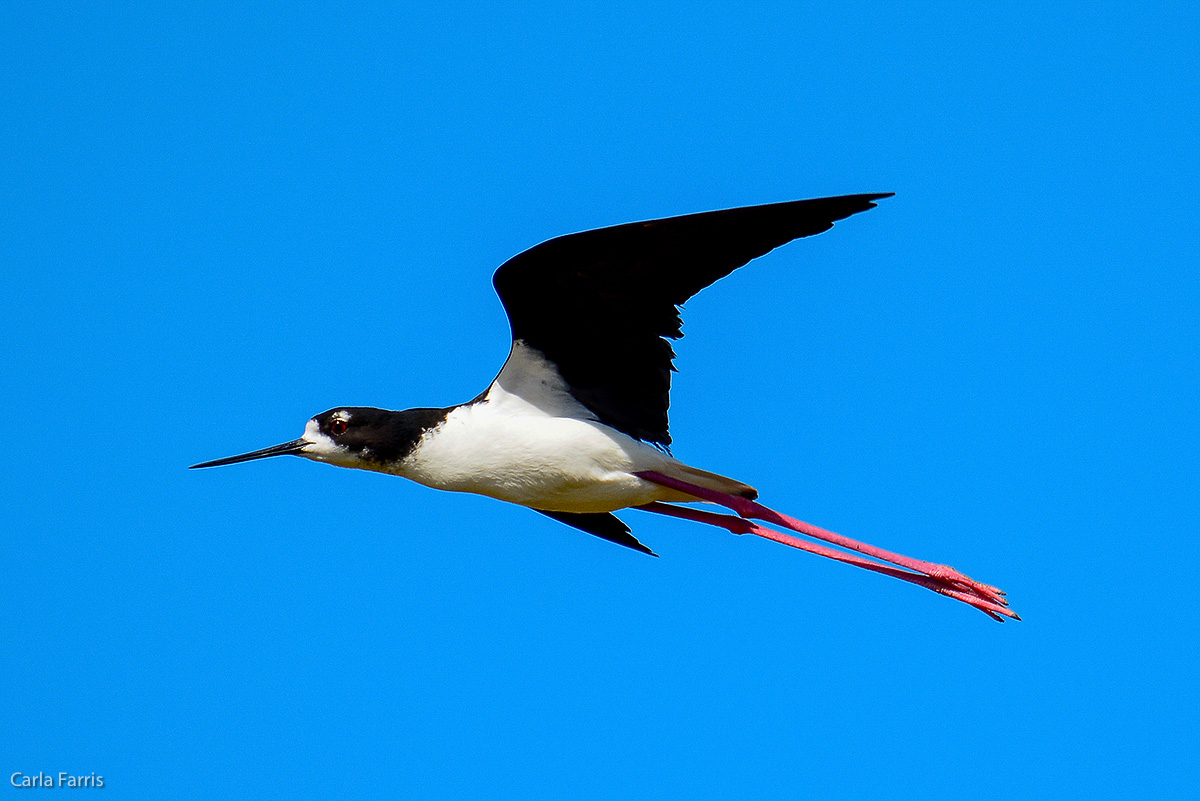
<point x="603" y="524"/>
<point x="601" y="304"/>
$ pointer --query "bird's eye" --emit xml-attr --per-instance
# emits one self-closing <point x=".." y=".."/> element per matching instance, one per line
<point x="338" y="426"/>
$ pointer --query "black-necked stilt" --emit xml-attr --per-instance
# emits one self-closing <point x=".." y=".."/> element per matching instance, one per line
<point x="575" y="424"/>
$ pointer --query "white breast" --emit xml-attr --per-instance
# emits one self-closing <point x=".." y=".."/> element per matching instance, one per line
<point x="530" y="442"/>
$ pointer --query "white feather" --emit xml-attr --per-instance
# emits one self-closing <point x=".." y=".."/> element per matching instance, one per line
<point x="530" y="442"/>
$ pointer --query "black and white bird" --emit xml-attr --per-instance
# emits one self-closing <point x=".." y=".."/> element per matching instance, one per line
<point x="575" y="424"/>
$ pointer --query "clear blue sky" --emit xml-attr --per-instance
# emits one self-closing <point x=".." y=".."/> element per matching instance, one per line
<point x="216" y="222"/>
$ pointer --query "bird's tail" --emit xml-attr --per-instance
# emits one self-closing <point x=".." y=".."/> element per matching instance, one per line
<point x="712" y="481"/>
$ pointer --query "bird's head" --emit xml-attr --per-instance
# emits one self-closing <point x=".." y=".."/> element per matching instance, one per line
<point x="356" y="436"/>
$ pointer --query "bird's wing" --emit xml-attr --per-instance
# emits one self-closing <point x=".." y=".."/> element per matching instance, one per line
<point x="605" y="525"/>
<point x="601" y="304"/>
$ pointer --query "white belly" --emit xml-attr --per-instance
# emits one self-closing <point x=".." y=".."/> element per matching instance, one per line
<point x="552" y="463"/>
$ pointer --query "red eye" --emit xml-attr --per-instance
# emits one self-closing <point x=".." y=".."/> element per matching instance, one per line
<point x="338" y="426"/>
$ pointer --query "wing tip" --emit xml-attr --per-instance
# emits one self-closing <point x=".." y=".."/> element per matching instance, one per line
<point x="604" y="525"/>
<point x="839" y="207"/>
<point x="864" y="201"/>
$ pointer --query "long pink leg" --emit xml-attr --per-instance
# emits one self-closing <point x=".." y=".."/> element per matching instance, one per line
<point x="739" y="525"/>
<point x="746" y="508"/>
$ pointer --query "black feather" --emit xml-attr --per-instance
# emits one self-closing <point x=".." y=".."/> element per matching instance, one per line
<point x="602" y="304"/>
<point x="603" y="524"/>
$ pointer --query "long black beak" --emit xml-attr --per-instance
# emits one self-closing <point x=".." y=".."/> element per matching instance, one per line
<point x="294" y="448"/>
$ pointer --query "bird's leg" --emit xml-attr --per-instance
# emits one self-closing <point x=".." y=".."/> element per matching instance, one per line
<point x="739" y="525"/>
<point x="951" y="579"/>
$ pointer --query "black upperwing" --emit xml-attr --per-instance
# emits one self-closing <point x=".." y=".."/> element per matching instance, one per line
<point x="601" y="304"/>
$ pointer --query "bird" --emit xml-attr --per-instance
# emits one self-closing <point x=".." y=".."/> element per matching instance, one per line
<point x="575" y="425"/>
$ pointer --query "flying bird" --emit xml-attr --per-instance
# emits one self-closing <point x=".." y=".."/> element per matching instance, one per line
<point x="575" y="424"/>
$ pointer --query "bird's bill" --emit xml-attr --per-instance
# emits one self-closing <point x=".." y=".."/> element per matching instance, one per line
<point x="294" y="448"/>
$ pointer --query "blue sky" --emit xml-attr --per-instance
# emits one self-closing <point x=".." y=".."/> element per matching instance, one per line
<point x="216" y="222"/>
